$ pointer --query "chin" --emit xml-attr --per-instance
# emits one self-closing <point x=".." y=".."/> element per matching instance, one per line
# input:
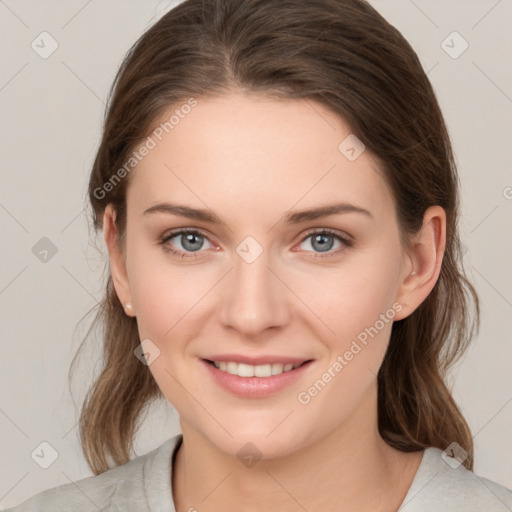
<point x="257" y="441"/>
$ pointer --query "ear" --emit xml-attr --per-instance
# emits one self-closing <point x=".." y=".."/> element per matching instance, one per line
<point x="424" y="260"/>
<point x="117" y="260"/>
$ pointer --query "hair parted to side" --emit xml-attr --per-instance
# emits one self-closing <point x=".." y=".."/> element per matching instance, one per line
<point x="343" y="54"/>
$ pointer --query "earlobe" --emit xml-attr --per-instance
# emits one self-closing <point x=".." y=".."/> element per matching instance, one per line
<point x="117" y="261"/>
<point x="426" y="256"/>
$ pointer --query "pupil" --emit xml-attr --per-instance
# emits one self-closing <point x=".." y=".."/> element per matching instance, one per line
<point x="189" y="239"/>
<point x="322" y="239"/>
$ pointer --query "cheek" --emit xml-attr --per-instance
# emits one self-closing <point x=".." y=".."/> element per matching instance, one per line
<point x="173" y="304"/>
<point x="162" y="291"/>
<point x="166" y="301"/>
<point x="353" y="296"/>
<point x="357" y="307"/>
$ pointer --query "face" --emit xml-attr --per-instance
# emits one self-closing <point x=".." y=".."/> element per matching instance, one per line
<point x="258" y="282"/>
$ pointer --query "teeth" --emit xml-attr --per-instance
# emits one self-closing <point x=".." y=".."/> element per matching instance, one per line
<point x="248" y="370"/>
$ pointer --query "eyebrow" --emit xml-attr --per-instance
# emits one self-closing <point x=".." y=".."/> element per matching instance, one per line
<point x="295" y="217"/>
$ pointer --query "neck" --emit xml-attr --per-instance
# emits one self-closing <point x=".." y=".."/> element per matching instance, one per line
<point x="351" y="468"/>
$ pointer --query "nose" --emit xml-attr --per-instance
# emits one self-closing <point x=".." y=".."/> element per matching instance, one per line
<point x="254" y="298"/>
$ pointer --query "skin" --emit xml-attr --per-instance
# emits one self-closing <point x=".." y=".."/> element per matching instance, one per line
<point x="250" y="159"/>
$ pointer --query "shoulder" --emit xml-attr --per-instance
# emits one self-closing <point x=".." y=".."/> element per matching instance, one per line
<point x="123" y="487"/>
<point x="443" y="485"/>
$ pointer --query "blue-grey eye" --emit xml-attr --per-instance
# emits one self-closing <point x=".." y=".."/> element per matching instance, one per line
<point x="322" y="241"/>
<point x="189" y="241"/>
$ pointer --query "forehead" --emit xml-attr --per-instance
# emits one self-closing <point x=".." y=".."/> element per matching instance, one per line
<point x="250" y="151"/>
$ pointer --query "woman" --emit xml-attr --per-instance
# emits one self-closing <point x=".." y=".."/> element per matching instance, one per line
<point x="305" y="340"/>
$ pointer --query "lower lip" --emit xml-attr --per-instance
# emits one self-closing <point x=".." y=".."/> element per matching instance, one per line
<point x="255" y="387"/>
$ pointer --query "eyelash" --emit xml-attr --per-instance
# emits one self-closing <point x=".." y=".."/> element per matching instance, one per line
<point x="325" y="231"/>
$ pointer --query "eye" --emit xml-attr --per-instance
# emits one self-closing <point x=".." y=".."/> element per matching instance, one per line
<point x="188" y="241"/>
<point x="323" y="241"/>
<point x="191" y="241"/>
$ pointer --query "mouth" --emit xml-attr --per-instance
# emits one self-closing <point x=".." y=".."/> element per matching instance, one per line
<point x="254" y="381"/>
<point x="248" y="370"/>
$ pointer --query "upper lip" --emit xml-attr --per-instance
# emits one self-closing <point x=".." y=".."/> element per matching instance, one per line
<point x="255" y="361"/>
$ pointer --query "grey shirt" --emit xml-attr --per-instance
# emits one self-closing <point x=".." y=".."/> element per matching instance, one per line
<point x="144" y="485"/>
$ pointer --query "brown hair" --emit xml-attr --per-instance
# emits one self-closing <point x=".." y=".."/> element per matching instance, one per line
<point x="343" y="54"/>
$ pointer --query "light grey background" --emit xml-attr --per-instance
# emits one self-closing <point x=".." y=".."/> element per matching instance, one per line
<point x="51" y="113"/>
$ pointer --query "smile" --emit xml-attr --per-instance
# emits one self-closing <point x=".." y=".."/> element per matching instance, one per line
<point x="254" y="381"/>
<point x="249" y="370"/>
